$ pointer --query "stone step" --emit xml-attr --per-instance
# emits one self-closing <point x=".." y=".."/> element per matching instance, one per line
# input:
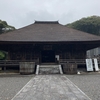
<point x="48" y="66"/>
<point x="49" y="69"/>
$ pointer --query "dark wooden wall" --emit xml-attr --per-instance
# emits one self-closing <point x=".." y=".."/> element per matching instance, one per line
<point x="33" y="51"/>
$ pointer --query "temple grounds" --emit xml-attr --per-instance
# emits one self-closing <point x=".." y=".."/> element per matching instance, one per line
<point x="10" y="85"/>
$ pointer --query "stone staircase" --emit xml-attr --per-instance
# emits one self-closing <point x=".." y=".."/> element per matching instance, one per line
<point x="49" y="69"/>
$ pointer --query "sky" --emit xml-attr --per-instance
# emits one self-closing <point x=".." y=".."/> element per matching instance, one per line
<point x="20" y="13"/>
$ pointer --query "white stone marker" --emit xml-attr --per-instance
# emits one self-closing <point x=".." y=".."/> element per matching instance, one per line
<point x="89" y="64"/>
<point x="96" y="64"/>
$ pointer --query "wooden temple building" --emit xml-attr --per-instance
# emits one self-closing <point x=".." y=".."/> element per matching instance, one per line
<point x="47" y="42"/>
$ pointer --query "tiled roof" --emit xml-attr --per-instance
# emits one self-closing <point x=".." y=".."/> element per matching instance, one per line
<point x="47" y="32"/>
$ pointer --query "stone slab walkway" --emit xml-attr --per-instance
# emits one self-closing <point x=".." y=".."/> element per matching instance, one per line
<point x="50" y="87"/>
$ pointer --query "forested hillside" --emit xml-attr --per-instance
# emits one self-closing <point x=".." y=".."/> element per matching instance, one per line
<point x="89" y="24"/>
<point x="4" y="27"/>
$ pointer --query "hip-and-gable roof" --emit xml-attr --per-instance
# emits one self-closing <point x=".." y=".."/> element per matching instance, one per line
<point x="47" y="32"/>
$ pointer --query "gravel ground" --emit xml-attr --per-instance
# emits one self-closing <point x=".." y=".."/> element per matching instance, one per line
<point x="89" y="84"/>
<point x="11" y="84"/>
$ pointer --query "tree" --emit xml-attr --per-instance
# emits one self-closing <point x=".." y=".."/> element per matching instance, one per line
<point x="4" y="27"/>
<point x="90" y="24"/>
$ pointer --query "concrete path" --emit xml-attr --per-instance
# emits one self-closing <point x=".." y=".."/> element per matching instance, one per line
<point x="50" y="87"/>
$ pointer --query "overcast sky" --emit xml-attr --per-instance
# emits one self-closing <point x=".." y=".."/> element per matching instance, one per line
<point x="20" y="13"/>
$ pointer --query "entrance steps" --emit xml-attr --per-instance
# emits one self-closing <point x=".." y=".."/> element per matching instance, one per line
<point x="49" y="69"/>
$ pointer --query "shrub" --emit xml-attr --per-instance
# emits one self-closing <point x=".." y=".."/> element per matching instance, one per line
<point x="3" y="55"/>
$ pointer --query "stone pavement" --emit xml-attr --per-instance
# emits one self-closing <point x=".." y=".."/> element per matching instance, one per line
<point x="89" y="83"/>
<point x="11" y="83"/>
<point x="50" y="87"/>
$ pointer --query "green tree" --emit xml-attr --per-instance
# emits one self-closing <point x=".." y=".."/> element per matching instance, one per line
<point x="4" y="27"/>
<point x="90" y="24"/>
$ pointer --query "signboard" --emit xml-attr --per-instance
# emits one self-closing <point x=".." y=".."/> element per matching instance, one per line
<point x="96" y="64"/>
<point x="89" y="64"/>
<point x="57" y="57"/>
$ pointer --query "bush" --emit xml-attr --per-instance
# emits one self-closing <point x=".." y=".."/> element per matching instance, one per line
<point x="3" y="55"/>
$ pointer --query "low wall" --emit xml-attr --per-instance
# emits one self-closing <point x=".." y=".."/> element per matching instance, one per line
<point x="27" y="68"/>
<point x="69" y="68"/>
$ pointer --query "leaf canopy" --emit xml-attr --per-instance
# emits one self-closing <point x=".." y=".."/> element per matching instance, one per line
<point x="90" y="24"/>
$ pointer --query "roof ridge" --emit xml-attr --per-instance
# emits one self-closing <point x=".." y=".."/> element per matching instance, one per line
<point x="46" y="22"/>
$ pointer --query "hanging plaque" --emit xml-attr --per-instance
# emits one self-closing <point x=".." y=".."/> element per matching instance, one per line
<point x="47" y="47"/>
